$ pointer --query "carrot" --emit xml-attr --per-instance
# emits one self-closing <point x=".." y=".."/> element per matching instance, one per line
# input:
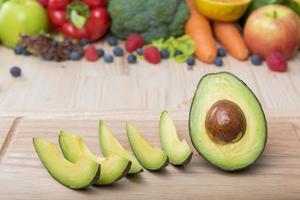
<point x="190" y="4"/>
<point x="230" y="37"/>
<point x="199" y="29"/>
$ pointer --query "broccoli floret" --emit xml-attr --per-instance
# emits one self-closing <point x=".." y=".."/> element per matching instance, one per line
<point x="154" y="19"/>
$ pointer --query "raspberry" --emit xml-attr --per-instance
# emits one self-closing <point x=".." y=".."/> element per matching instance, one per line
<point x="152" y="55"/>
<point x="133" y="42"/>
<point x="277" y="62"/>
<point x="91" y="53"/>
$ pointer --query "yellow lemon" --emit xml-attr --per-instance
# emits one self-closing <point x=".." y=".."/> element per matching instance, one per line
<point x="222" y="10"/>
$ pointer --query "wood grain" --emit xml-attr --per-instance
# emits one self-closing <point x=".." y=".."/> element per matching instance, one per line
<point x="275" y="176"/>
<point x="7" y="126"/>
<point x="97" y="89"/>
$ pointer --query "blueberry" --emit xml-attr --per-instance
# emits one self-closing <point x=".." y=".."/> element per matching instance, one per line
<point x="15" y="71"/>
<point x="177" y="53"/>
<point x="112" y="40"/>
<point x="140" y="51"/>
<point x="108" y="58"/>
<point x="47" y="56"/>
<point x="118" y="51"/>
<point x="75" y="55"/>
<point x="221" y="52"/>
<point x="19" y="50"/>
<point x="100" y="52"/>
<point x="164" y="54"/>
<point x="131" y="59"/>
<point x="256" y="59"/>
<point x="219" y="62"/>
<point x="191" y="61"/>
<point x="83" y="42"/>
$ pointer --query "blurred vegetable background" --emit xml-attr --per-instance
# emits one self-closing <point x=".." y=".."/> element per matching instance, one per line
<point x="153" y="30"/>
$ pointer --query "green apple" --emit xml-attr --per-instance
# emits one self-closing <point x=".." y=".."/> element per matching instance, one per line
<point x="21" y="17"/>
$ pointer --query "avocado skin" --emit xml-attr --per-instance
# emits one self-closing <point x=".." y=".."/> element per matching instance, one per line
<point x="96" y="177"/>
<point x="135" y="174"/>
<point x="186" y="162"/>
<point x="164" y="165"/>
<point x="83" y="188"/>
<point x="125" y="173"/>
<point x="259" y="104"/>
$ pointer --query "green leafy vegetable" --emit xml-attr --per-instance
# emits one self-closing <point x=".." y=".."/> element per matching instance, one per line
<point x="184" y="44"/>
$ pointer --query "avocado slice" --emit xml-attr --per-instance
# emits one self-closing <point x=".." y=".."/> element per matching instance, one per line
<point x="227" y="124"/>
<point x="113" y="167"/>
<point x="179" y="152"/>
<point x="152" y="158"/>
<point x="109" y="144"/>
<point x="77" y="175"/>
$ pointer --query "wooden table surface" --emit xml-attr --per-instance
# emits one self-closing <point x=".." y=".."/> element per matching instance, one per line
<point x="275" y="176"/>
<point x="119" y="89"/>
<point x="74" y="95"/>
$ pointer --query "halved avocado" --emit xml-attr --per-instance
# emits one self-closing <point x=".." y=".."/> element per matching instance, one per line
<point x="179" y="152"/>
<point x="152" y="158"/>
<point x="77" y="175"/>
<point x="113" y="167"/>
<point x="227" y="123"/>
<point x="109" y="144"/>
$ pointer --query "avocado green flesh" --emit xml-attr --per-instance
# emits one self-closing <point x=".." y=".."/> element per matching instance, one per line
<point x="109" y="144"/>
<point x="152" y="158"/>
<point x="230" y="156"/>
<point x="113" y="167"/>
<point x="77" y="175"/>
<point x="179" y="152"/>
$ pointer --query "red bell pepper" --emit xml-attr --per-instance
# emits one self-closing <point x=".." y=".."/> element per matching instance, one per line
<point x="79" y="19"/>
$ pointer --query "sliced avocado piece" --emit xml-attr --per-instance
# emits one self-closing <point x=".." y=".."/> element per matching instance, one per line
<point x="152" y="158"/>
<point x="77" y="175"/>
<point x="109" y="144"/>
<point x="227" y="123"/>
<point x="113" y="167"/>
<point x="179" y="152"/>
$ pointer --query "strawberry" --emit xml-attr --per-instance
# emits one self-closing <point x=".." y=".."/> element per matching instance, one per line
<point x="276" y="62"/>
<point x="91" y="53"/>
<point x="133" y="42"/>
<point x="152" y="55"/>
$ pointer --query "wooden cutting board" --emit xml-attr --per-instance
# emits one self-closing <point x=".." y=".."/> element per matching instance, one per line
<point x="275" y="176"/>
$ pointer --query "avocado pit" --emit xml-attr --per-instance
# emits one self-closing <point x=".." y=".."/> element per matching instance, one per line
<point x="225" y="122"/>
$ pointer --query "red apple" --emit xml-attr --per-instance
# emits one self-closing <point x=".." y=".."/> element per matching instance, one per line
<point x="273" y="28"/>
